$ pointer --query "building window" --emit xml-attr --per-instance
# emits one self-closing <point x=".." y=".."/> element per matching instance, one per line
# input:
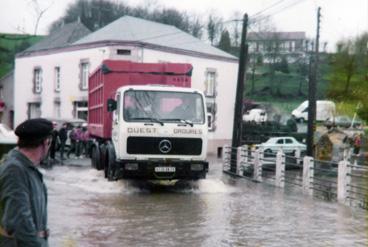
<point x="123" y="52"/>
<point x="210" y="87"/>
<point x="84" y="72"/>
<point x="37" y="80"/>
<point x="34" y="110"/>
<point x="57" y="79"/>
<point x="80" y="109"/>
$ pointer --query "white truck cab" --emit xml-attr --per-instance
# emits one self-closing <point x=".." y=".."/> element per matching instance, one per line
<point x="159" y="132"/>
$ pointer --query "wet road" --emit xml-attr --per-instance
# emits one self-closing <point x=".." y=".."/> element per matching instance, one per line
<point x="86" y="210"/>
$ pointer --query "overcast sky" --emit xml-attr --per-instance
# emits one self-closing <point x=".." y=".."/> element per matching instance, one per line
<point x="340" y="18"/>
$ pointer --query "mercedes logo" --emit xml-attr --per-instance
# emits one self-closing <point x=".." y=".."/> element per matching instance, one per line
<point x="164" y="146"/>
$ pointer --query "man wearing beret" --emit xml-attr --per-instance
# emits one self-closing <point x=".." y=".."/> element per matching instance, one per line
<point x="23" y="194"/>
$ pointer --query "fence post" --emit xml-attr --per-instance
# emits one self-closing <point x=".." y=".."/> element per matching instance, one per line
<point x="346" y="154"/>
<point x="343" y="181"/>
<point x="239" y="161"/>
<point x="280" y="169"/>
<point x="298" y="155"/>
<point x="226" y="157"/>
<point x="257" y="174"/>
<point x="308" y="175"/>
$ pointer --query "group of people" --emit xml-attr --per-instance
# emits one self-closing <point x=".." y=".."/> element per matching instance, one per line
<point x="78" y="137"/>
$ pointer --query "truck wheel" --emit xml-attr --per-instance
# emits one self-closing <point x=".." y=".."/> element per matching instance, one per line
<point x="95" y="159"/>
<point x="110" y="163"/>
<point x="102" y="157"/>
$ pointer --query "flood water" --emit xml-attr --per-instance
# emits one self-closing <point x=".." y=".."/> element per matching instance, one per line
<point x="87" y="210"/>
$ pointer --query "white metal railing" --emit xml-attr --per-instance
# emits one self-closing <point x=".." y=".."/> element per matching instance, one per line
<point x="346" y="181"/>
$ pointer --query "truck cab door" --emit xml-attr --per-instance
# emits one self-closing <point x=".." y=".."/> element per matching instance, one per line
<point x="116" y="121"/>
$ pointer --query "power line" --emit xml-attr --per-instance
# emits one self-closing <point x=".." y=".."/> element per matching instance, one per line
<point x="292" y="4"/>
<point x="261" y="11"/>
<point x="161" y="35"/>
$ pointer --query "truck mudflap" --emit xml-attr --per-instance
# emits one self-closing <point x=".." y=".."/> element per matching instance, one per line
<point x="162" y="170"/>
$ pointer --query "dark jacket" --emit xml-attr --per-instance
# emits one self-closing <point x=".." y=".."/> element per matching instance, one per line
<point x="23" y="202"/>
<point x="63" y="134"/>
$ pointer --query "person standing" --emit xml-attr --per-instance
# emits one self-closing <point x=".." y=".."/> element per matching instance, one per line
<point x="73" y="142"/>
<point x="23" y="193"/>
<point x="63" y="136"/>
<point x="79" y="141"/>
<point x="357" y="144"/>
<point x="54" y="139"/>
<point x="85" y="140"/>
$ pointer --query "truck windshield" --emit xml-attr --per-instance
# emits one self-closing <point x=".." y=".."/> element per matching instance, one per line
<point x="163" y="106"/>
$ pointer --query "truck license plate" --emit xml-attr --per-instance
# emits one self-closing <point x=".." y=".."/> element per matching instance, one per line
<point x="164" y="169"/>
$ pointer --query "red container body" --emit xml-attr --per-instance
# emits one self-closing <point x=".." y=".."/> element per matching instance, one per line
<point x="113" y="74"/>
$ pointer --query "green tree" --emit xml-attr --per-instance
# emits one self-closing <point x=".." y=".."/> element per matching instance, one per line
<point x="283" y="65"/>
<point x="348" y="75"/>
<point x="225" y="42"/>
<point x="214" y="25"/>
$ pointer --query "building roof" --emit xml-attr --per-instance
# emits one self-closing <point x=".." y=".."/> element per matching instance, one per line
<point x="62" y="37"/>
<point x="132" y="29"/>
<point x="254" y="36"/>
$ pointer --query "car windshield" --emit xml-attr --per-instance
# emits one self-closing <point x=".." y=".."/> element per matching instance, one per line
<point x="163" y="106"/>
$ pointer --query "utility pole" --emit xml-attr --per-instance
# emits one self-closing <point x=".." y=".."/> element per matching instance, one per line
<point x="312" y="92"/>
<point x="237" y="125"/>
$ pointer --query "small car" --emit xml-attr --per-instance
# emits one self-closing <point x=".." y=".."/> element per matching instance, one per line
<point x="7" y="135"/>
<point x="343" y="121"/>
<point x="255" y="115"/>
<point x="8" y="139"/>
<point x="287" y="144"/>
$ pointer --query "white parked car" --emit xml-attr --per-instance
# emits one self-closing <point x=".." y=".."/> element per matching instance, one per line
<point x="255" y="115"/>
<point x="8" y="139"/>
<point x="287" y="144"/>
<point x="7" y="135"/>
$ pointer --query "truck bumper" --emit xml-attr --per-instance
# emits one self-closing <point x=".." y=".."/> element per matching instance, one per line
<point x="162" y="170"/>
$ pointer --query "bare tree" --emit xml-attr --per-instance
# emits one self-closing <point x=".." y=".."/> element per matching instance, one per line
<point x="39" y="11"/>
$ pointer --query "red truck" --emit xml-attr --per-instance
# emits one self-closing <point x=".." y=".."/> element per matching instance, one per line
<point x="146" y="121"/>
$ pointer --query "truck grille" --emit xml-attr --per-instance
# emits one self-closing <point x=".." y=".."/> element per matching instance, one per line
<point x="168" y="146"/>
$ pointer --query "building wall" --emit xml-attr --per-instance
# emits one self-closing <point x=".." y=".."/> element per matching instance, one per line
<point x="69" y="63"/>
<point x="226" y="79"/>
<point x="6" y="83"/>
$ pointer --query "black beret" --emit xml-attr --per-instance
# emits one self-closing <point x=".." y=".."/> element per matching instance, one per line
<point x="35" y="128"/>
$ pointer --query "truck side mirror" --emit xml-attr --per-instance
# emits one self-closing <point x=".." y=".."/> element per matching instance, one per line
<point x="111" y="105"/>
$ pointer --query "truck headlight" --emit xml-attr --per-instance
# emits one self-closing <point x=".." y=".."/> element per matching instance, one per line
<point x="131" y="166"/>
<point x="196" y="167"/>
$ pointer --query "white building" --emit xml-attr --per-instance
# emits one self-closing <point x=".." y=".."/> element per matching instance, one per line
<point x="291" y="45"/>
<point x="6" y="99"/>
<point x="51" y="80"/>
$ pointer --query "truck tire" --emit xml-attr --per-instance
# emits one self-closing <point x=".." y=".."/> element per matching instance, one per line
<point x="95" y="159"/>
<point x="110" y="163"/>
<point x="102" y="157"/>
